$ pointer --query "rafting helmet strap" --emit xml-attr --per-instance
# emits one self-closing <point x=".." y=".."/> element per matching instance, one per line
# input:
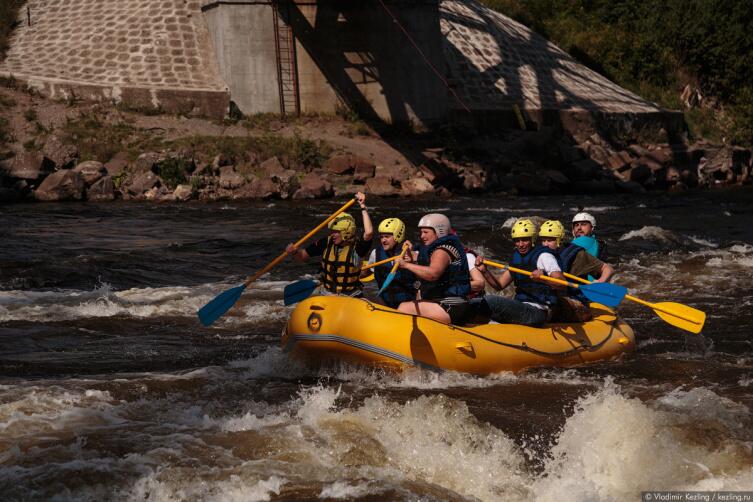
<point x="523" y="229"/>
<point x="553" y="229"/>
<point x="345" y="224"/>
<point x="436" y="221"/>
<point x="394" y="226"/>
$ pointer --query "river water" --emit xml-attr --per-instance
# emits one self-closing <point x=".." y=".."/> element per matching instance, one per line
<point x="111" y="389"/>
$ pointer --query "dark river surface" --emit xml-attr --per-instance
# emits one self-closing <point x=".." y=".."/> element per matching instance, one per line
<point x="110" y="388"/>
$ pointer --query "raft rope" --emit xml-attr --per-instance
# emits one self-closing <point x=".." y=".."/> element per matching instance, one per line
<point x="523" y="347"/>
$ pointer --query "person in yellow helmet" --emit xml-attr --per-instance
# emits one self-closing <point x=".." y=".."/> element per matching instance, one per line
<point x="342" y="252"/>
<point x="535" y="299"/>
<point x="573" y="259"/>
<point x="391" y="237"/>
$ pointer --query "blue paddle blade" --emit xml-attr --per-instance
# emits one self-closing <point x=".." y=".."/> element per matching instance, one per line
<point x="605" y="293"/>
<point x="387" y="282"/>
<point x="300" y="290"/>
<point x="219" y="305"/>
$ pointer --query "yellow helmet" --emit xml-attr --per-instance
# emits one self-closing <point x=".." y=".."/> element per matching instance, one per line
<point x="524" y="229"/>
<point x="553" y="229"/>
<point x="345" y="224"/>
<point x="394" y="226"/>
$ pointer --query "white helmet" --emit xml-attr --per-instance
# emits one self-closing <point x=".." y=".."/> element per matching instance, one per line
<point x="439" y="222"/>
<point x="585" y="217"/>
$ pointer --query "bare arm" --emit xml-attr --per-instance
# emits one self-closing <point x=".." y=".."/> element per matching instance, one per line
<point x="607" y="271"/>
<point x="368" y="227"/>
<point x="498" y="283"/>
<point x="477" y="280"/>
<point x="437" y="266"/>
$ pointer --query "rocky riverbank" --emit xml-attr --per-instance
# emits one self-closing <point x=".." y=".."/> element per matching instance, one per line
<point x="66" y="151"/>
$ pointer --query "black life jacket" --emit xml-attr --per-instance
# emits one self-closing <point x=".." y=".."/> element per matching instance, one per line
<point x="401" y="289"/>
<point x="526" y="289"/>
<point x="456" y="279"/>
<point x="341" y="267"/>
<point x="566" y="257"/>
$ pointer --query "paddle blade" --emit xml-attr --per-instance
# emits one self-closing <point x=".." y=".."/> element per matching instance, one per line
<point x="605" y="293"/>
<point x="680" y="315"/>
<point x="219" y="305"/>
<point x="300" y="290"/>
<point x="387" y="282"/>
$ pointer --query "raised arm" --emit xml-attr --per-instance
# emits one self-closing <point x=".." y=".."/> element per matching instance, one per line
<point x="368" y="227"/>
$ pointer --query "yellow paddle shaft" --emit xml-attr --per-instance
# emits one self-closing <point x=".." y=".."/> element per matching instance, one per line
<point x="303" y="239"/>
<point x="526" y="272"/>
<point x="639" y="301"/>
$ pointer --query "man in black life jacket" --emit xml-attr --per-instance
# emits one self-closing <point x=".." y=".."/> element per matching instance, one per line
<point x="402" y="288"/>
<point x="342" y="252"/>
<point x="441" y="270"/>
<point x="535" y="299"/>
<point x="572" y="305"/>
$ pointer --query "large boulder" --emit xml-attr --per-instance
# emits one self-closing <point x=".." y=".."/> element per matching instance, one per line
<point x="101" y="190"/>
<point x="416" y="186"/>
<point x="91" y="171"/>
<point x="141" y="182"/>
<point x="61" y="185"/>
<point x="29" y="166"/>
<point x="117" y="164"/>
<point x="313" y="187"/>
<point x="62" y="155"/>
<point x="257" y="188"/>
<point x="183" y="192"/>
<point x="285" y="179"/>
<point x="381" y="185"/>
<point x="229" y="179"/>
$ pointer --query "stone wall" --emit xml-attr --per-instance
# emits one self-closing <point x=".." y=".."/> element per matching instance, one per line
<point x="143" y="53"/>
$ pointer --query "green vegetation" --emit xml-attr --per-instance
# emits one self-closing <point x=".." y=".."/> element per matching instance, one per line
<point x="656" y="47"/>
<point x="173" y="171"/>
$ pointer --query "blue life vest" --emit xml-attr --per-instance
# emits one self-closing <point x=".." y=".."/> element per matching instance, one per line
<point x="456" y="279"/>
<point x="565" y="257"/>
<point x="401" y="289"/>
<point x="526" y="289"/>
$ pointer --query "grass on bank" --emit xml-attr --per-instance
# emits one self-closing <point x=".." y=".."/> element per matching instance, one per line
<point x="98" y="140"/>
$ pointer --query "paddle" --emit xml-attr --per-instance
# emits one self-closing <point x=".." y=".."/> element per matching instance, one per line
<point x="300" y="290"/>
<point x="600" y="292"/>
<point x="391" y="275"/>
<point x="225" y="300"/>
<point x="676" y="314"/>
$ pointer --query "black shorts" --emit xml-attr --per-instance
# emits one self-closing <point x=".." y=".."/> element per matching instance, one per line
<point x="456" y="307"/>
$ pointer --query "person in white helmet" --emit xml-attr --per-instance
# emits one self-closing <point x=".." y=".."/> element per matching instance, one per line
<point x="583" y="226"/>
<point x="441" y="269"/>
<point x="342" y="252"/>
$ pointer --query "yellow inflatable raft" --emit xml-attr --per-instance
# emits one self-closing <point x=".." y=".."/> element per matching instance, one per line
<point x="336" y="328"/>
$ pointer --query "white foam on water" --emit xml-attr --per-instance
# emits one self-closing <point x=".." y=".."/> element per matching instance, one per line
<point x="509" y="222"/>
<point x="613" y="447"/>
<point x="175" y="484"/>
<point x="703" y="404"/>
<point x="651" y="233"/>
<point x="347" y="491"/>
<point x="745" y="381"/>
<point x="181" y="301"/>
<point x="34" y="410"/>
<point x="596" y="209"/>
